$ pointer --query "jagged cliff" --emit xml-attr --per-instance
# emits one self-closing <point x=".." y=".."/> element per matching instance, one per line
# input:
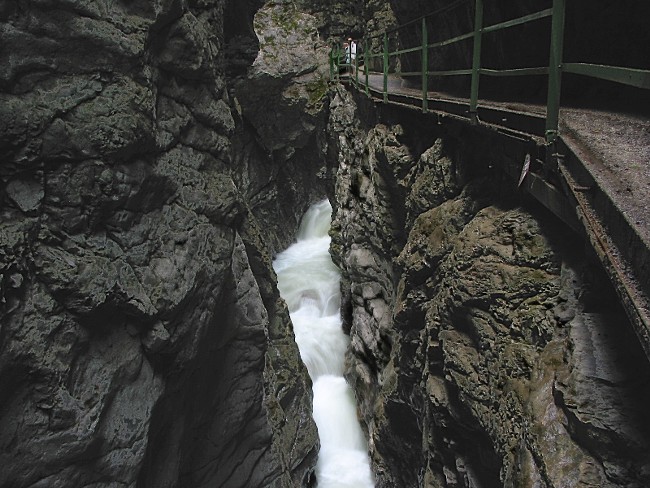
<point x="487" y="350"/>
<point x="142" y="338"/>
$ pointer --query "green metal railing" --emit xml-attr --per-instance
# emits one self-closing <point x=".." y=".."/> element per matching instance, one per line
<point x="376" y="50"/>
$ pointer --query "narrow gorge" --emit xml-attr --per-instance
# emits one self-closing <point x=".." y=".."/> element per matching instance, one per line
<point x="310" y="284"/>
<point x="156" y="158"/>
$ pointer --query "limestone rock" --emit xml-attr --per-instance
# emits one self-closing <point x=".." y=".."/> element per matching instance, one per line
<point x="27" y="195"/>
<point x="283" y="94"/>
<point x="478" y="353"/>
<point x="432" y="181"/>
<point x="142" y="340"/>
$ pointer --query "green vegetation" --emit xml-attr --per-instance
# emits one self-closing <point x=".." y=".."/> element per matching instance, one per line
<point x="317" y="90"/>
<point x="287" y="19"/>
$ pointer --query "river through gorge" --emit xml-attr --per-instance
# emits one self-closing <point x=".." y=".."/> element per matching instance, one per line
<point x="310" y="284"/>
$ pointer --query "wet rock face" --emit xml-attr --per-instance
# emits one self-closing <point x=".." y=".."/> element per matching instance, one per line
<point x="485" y="350"/>
<point x="337" y="18"/>
<point x="282" y="101"/>
<point x="285" y="113"/>
<point x="142" y="340"/>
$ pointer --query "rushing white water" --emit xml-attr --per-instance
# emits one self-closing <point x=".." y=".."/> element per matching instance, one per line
<point x="309" y="283"/>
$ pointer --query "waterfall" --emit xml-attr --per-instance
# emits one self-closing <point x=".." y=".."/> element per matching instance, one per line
<point x="309" y="283"/>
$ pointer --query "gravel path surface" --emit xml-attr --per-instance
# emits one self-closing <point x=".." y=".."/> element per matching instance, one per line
<point x="620" y="148"/>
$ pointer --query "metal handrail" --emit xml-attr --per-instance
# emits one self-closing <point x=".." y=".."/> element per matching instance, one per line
<point x="518" y="21"/>
<point x="629" y="76"/>
<point x="638" y="78"/>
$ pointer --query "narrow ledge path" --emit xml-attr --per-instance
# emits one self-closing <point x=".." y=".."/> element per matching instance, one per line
<point x="602" y="164"/>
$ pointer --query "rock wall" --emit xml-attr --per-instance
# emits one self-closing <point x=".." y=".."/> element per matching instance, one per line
<point x="282" y="100"/>
<point x="142" y="338"/>
<point x="486" y="348"/>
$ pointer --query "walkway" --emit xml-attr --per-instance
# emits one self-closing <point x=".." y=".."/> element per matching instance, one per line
<point x="604" y="170"/>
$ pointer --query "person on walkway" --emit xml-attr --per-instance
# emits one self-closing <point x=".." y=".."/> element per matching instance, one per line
<point x="350" y="54"/>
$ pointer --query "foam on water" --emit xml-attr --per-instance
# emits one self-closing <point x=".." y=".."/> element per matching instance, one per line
<point x="309" y="283"/>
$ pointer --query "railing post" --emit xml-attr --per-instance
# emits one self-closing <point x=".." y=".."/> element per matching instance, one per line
<point x="365" y="63"/>
<point x="425" y="65"/>
<point x="555" y="72"/>
<point x="476" y="60"/>
<point x="356" y="62"/>
<point x="336" y="55"/>
<point x="385" y="67"/>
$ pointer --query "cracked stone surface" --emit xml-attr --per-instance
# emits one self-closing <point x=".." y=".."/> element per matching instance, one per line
<point x="142" y="338"/>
